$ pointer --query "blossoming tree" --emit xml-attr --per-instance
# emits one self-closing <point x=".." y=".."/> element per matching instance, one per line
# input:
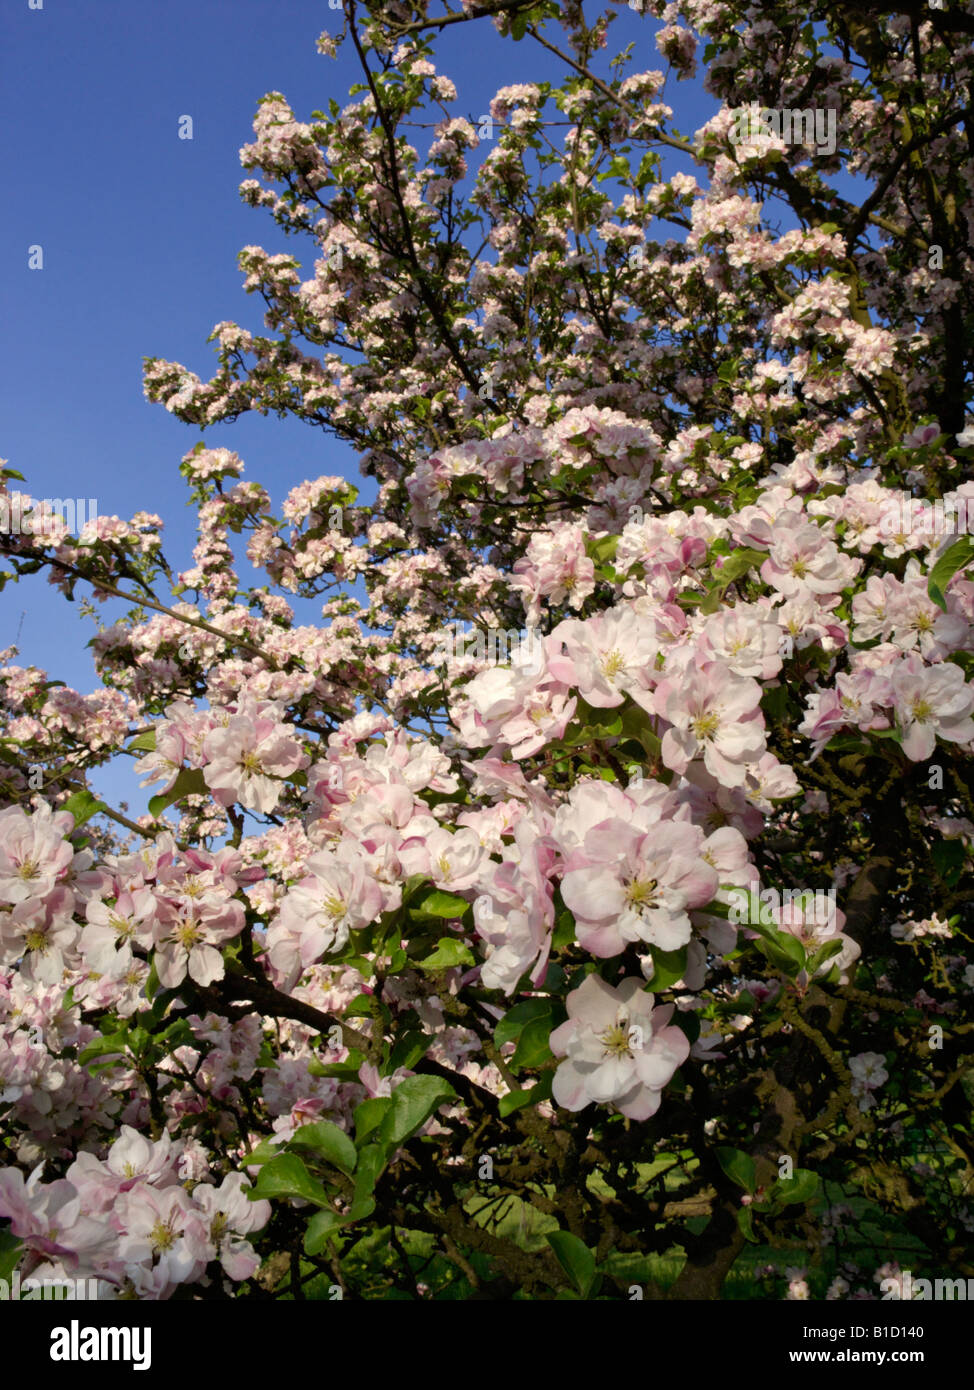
<point x="428" y="975"/>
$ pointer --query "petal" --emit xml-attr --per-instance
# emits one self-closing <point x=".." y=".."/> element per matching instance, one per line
<point x="568" y="1088"/>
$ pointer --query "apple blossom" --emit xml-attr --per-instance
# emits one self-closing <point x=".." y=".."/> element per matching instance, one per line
<point x="695" y="431"/>
<point x="619" y="1049"/>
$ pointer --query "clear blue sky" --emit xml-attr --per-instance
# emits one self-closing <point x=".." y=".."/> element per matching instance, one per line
<point x="140" y="232"/>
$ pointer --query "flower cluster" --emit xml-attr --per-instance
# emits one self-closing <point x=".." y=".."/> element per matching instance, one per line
<point x="395" y="913"/>
<point x="128" y="1221"/>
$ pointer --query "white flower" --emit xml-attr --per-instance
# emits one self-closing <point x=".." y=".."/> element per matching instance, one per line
<point x="619" y="1049"/>
<point x="869" y="1073"/>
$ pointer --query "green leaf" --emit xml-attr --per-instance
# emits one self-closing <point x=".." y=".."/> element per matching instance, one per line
<point x="144" y="743"/>
<point x="11" y="1250"/>
<point x="138" y="1039"/>
<point x="800" y="1188"/>
<point x="344" y="1071"/>
<point x="326" y="1139"/>
<point x="824" y="953"/>
<point x="153" y="982"/>
<point x="738" y="563"/>
<point x="189" y="783"/>
<point x="322" y="1226"/>
<point x="775" y="701"/>
<point x="954" y="558"/>
<point x="450" y="951"/>
<point x="325" y="1224"/>
<point x="603" y="549"/>
<point x="745" y="1220"/>
<point x="618" y="168"/>
<point x="371" y="1161"/>
<point x="369" y="1115"/>
<point x="575" y="1258"/>
<point x="784" y="951"/>
<point x="533" y="1048"/>
<point x="286" y="1176"/>
<point x="264" y="1152"/>
<point x="82" y="805"/>
<point x="563" y="935"/>
<point x="739" y="1167"/>
<point x="412" y="886"/>
<point x="409" y="1050"/>
<point x="636" y="725"/>
<point x="359" y="1007"/>
<point x="668" y="967"/>
<point x="647" y="169"/>
<point x="688" y="1024"/>
<point x="528" y="1095"/>
<point x="440" y="904"/>
<point x="412" y="1103"/>
<point x="512" y="1025"/>
<point x="397" y="961"/>
<point x="608" y="727"/>
<point x="949" y="857"/>
<point x="114" y="1043"/>
<point x="178" y="1034"/>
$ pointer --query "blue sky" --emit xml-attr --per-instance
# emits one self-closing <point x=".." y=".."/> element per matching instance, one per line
<point x="140" y="231"/>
